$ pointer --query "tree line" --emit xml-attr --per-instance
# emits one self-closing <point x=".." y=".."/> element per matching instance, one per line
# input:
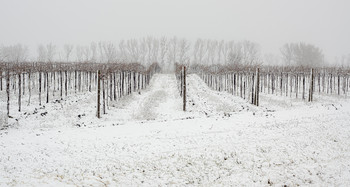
<point x="168" y="51"/>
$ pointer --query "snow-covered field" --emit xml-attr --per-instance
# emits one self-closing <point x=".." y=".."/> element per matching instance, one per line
<point x="146" y="139"/>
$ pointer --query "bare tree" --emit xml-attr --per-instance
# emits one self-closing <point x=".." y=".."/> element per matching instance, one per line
<point x="172" y="54"/>
<point x="132" y="50"/>
<point x="287" y="54"/>
<point x="42" y="53"/>
<point x="149" y="44"/>
<point x="302" y="54"/>
<point x="226" y="50"/>
<point x="123" y="55"/>
<point x="14" y="53"/>
<point x="234" y="54"/>
<point x="155" y="50"/>
<point x="79" y="52"/>
<point x="199" y="51"/>
<point x="50" y="52"/>
<point x="163" y="45"/>
<point x="100" y="52"/>
<point x="211" y="48"/>
<point x="86" y="53"/>
<point x="220" y="48"/>
<point x="183" y="53"/>
<point x="344" y="61"/>
<point x="250" y="52"/>
<point x="245" y="52"/>
<point x="143" y="50"/>
<point x="93" y="48"/>
<point x="109" y="51"/>
<point x="67" y="49"/>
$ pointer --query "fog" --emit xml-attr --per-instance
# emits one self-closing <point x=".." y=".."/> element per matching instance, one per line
<point x="271" y="23"/>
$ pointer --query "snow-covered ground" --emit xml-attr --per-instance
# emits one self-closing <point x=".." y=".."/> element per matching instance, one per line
<point x="146" y="139"/>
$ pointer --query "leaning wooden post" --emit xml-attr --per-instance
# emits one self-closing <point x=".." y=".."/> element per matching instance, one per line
<point x="184" y="89"/>
<point x="311" y="85"/>
<point x="98" y="93"/>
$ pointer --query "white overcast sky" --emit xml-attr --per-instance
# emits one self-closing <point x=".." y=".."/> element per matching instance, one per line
<point x="271" y="23"/>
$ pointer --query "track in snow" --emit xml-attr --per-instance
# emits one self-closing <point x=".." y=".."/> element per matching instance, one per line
<point x="159" y="101"/>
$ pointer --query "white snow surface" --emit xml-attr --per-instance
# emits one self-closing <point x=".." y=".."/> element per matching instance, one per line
<point x="147" y="140"/>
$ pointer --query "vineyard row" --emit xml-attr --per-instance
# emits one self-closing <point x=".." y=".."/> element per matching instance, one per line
<point x="58" y="80"/>
<point x="248" y="82"/>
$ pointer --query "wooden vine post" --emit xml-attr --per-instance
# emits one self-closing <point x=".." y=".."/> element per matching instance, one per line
<point x="311" y="90"/>
<point x="8" y="89"/>
<point x="181" y="83"/>
<point x="256" y="99"/>
<point x="19" y="91"/>
<point x="184" y="88"/>
<point x="98" y="94"/>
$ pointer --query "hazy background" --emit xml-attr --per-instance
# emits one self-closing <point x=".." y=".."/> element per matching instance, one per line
<point x="271" y="23"/>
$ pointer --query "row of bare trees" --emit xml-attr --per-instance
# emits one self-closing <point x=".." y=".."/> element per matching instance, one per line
<point x="299" y="82"/>
<point x="117" y="82"/>
<point x="55" y="81"/>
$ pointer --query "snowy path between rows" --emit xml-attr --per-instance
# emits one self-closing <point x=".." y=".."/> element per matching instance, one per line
<point x="146" y="140"/>
<point x="160" y="101"/>
<point x="203" y="100"/>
